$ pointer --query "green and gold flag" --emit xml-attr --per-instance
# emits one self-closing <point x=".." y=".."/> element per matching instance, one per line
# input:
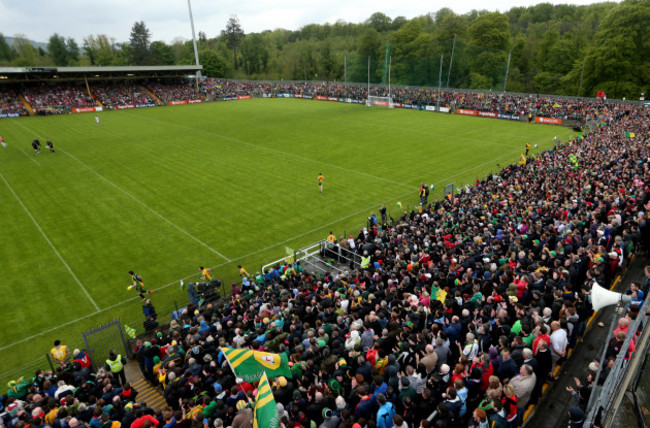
<point x="629" y="134"/>
<point x="251" y="365"/>
<point x="129" y="331"/>
<point x="265" y="414"/>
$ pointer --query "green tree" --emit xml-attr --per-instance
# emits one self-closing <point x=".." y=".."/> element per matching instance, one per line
<point x="233" y="34"/>
<point x="379" y="21"/>
<point x="26" y="54"/>
<point x="161" y="54"/>
<point x="99" y="50"/>
<point x="370" y="44"/>
<point x="214" y="65"/>
<point x="254" y="54"/>
<point x="73" y="50"/>
<point x="139" y="41"/>
<point x="491" y="30"/>
<point x="327" y="63"/>
<point x="619" y="55"/>
<point x="6" y="52"/>
<point x="58" y="51"/>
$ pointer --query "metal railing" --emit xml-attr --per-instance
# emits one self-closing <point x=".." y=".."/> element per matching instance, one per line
<point x="605" y="397"/>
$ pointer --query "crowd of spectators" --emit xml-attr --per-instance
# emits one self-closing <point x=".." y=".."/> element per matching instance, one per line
<point x="60" y="97"/>
<point x="176" y="91"/>
<point x="11" y="103"/>
<point x="381" y="345"/>
<point x="116" y="94"/>
<point x="57" y="98"/>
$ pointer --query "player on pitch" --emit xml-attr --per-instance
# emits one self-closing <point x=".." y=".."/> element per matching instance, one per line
<point x="320" y="181"/>
<point x="138" y="284"/>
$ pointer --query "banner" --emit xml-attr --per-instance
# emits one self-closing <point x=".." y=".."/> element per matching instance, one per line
<point x="175" y="103"/>
<point x="444" y="109"/>
<point x="307" y="97"/>
<point x="332" y="99"/>
<point x="380" y="103"/>
<point x="6" y="115"/>
<point x="321" y="98"/>
<point x="355" y="101"/>
<point x="125" y="106"/>
<point x="296" y="95"/>
<point x="508" y="116"/>
<point x="251" y="365"/>
<point x="265" y="413"/>
<point x="195" y="101"/>
<point x="76" y="110"/>
<point x="244" y="97"/>
<point x="487" y="114"/>
<point x="551" y="120"/>
<point x="229" y="98"/>
<point x="397" y="105"/>
<point x="145" y="105"/>
<point x="430" y="108"/>
<point x="467" y="112"/>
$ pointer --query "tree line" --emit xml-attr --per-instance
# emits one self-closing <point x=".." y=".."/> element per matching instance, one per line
<point x="552" y="49"/>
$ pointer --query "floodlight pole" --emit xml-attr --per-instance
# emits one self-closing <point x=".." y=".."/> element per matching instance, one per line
<point x="196" y="52"/>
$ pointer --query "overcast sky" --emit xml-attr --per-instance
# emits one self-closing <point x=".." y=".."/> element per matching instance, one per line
<point x="169" y="19"/>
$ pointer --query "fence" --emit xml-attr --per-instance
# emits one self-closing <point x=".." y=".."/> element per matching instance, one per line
<point x="606" y="398"/>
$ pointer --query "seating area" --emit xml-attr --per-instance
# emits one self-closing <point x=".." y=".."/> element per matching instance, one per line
<point x="116" y="94"/>
<point x="10" y="103"/>
<point x="56" y="98"/>
<point x="177" y="91"/>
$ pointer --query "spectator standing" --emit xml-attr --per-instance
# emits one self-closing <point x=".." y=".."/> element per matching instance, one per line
<point x="60" y="354"/>
<point x="115" y="364"/>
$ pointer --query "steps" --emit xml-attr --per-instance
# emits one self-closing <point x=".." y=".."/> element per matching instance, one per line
<point x="149" y="394"/>
<point x="26" y="104"/>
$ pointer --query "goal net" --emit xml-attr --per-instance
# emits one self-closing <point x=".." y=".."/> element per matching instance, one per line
<point x="379" y="101"/>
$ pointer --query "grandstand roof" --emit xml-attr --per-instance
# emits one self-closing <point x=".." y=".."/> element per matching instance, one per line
<point x="23" y="74"/>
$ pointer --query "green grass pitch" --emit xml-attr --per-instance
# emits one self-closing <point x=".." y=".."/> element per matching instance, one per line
<point x="162" y="191"/>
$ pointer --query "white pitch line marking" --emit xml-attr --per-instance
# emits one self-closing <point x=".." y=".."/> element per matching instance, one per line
<point x="50" y="243"/>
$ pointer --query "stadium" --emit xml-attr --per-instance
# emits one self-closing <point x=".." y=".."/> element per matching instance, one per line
<point x="317" y="253"/>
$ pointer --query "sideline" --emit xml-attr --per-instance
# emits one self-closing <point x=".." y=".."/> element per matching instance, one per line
<point x="50" y="243"/>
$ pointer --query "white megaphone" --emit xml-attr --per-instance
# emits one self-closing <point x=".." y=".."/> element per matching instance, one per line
<point x="601" y="297"/>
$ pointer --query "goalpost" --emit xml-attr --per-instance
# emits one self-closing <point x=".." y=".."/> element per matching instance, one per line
<point x="379" y="101"/>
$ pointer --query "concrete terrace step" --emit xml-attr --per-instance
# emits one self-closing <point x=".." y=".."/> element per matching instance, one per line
<point x="148" y="394"/>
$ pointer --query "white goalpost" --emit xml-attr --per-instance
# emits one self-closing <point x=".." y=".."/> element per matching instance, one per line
<point x="379" y="101"/>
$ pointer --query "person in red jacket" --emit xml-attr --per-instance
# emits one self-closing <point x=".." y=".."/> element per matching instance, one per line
<point x="140" y="419"/>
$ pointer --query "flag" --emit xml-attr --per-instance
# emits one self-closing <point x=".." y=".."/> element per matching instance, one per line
<point x="265" y="413"/>
<point x="523" y="160"/>
<point x="629" y="134"/>
<point x="251" y="365"/>
<point x="129" y="331"/>
<point x="439" y="294"/>
<point x="399" y="204"/>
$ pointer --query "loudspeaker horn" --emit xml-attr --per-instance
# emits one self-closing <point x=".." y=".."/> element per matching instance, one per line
<point x="601" y="297"/>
